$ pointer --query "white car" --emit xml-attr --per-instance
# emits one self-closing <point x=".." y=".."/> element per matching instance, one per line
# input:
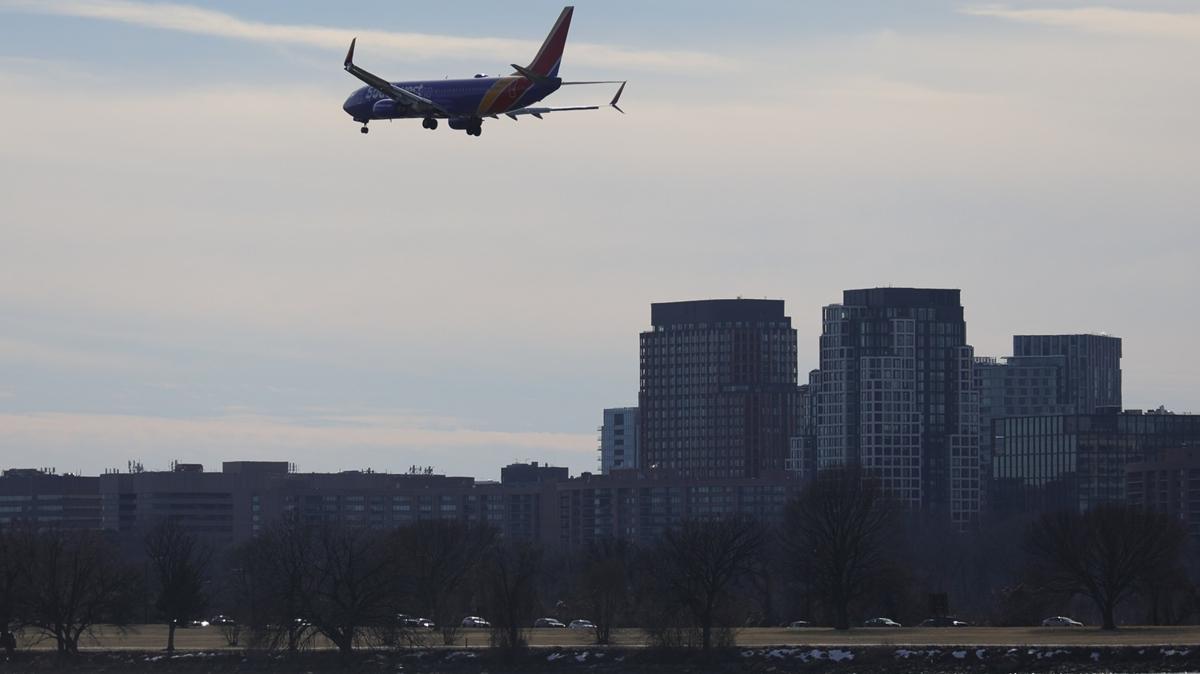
<point x="581" y="625"/>
<point x="475" y="621"/>
<point x="1061" y="621"/>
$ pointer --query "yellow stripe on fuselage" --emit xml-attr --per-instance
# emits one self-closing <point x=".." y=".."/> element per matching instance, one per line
<point x="489" y="99"/>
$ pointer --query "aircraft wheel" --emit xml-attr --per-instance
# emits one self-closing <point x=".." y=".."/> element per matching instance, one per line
<point x="364" y="130"/>
<point x="433" y="124"/>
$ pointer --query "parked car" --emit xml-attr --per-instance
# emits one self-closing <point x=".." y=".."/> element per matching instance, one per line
<point x="1061" y="621"/>
<point x="797" y="624"/>
<point x="547" y="622"/>
<point x="475" y="621"/>
<point x="943" y="621"/>
<point x="220" y="619"/>
<point x="881" y="622"/>
<point x="581" y="625"/>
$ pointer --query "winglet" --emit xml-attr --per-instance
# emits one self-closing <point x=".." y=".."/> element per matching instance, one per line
<point x="350" y="54"/>
<point x="618" y="98"/>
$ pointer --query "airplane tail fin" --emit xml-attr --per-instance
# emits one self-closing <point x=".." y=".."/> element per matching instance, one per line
<point x="549" y="57"/>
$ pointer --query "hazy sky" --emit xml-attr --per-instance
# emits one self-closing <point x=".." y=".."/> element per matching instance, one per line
<point x="202" y="259"/>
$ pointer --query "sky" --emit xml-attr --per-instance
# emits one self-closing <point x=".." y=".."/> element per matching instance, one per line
<point x="201" y="259"/>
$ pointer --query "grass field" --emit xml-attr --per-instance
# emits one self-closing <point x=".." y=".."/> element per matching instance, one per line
<point x="154" y="637"/>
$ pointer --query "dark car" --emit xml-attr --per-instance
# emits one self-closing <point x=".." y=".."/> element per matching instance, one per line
<point x="548" y="622"/>
<point x="943" y="621"/>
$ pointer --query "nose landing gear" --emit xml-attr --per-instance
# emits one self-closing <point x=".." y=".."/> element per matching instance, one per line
<point x="364" y="129"/>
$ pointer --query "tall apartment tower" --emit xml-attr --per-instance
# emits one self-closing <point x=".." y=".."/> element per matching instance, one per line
<point x="619" y="439"/>
<point x="1047" y="375"/>
<point x="718" y="388"/>
<point x="896" y="397"/>
<point x="1091" y="371"/>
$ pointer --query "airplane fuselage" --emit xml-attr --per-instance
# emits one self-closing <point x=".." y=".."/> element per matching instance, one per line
<point x="472" y="98"/>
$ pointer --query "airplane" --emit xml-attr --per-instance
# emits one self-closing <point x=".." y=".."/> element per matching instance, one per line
<point x="464" y="103"/>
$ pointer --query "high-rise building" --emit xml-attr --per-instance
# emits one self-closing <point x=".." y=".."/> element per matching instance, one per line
<point x="896" y="397"/>
<point x="802" y="459"/>
<point x="1047" y="375"/>
<point x="718" y="388"/>
<point x="1091" y="371"/>
<point x="619" y="439"/>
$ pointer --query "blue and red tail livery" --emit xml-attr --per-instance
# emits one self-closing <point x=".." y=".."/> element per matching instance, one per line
<point x="549" y="57"/>
<point x="464" y="103"/>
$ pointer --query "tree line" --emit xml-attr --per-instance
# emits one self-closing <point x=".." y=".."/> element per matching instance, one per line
<point x="843" y="553"/>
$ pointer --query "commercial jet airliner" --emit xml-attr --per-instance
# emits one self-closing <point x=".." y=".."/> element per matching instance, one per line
<point x="465" y="103"/>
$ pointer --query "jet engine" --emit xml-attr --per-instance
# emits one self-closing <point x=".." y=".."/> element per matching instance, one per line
<point x="464" y="123"/>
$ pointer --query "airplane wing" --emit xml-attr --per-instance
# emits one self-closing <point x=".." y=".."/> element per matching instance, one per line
<point x="401" y="96"/>
<point x="538" y="112"/>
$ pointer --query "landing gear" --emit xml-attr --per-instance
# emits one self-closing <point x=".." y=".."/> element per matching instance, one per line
<point x="429" y="123"/>
<point x="364" y="129"/>
<point x="476" y="130"/>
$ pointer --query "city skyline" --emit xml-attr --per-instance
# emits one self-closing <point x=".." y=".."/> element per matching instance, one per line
<point x="196" y="266"/>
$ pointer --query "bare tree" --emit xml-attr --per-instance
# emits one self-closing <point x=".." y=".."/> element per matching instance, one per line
<point x="76" y="581"/>
<point x="606" y="584"/>
<point x="509" y="580"/>
<point x="13" y="587"/>
<point x="179" y="562"/>
<point x="275" y="574"/>
<point x="439" y="558"/>
<point x="354" y="589"/>
<point x="835" y="532"/>
<point x="700" y="563"/>
<point x="1103" y="553"/>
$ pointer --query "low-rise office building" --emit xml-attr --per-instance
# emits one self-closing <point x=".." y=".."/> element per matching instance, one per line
<point x="1169" y="482"/>
<point x="45" y="499"/>
<point x="1076" y="461"/>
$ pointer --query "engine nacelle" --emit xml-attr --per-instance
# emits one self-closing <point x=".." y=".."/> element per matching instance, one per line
<point x="386" y="107"/>
<point x="464" y="123"/>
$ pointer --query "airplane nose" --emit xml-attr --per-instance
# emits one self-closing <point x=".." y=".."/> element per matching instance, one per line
<point x="348" y="106"/>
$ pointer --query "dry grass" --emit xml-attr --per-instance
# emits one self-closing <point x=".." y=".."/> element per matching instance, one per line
<point x="154" y="637"/>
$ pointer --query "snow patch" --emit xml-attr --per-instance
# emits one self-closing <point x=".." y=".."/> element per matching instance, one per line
<point x="838" y="655"/>
<point x="961" y="655"/>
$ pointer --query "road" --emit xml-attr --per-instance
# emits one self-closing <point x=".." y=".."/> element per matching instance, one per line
<point x="154" y="637"/>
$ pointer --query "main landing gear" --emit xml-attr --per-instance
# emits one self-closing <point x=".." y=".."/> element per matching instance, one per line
<point x="475" y="131"/>
<point x="429" y="123"/>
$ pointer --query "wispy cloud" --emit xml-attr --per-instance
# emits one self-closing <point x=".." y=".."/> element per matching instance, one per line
<point x="200" y="21"/>
<point x="1103" y="20"/>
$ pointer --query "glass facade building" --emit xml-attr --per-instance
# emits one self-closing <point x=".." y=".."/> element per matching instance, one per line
<point x="717" y="392"/>
<point x="1055" y="462"/>
<point x="896" y="397"/>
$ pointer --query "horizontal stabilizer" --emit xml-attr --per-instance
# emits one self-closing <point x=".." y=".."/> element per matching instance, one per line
<point x="617" y="98"/>
<point x="529" y="74"/>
